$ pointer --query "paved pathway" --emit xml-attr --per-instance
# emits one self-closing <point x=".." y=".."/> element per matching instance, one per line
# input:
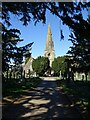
<point x="45" y="102"/>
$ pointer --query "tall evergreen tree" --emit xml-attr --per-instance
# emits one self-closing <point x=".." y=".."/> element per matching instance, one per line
<point x="80" y="37"/>
<point x="10" y="51"/>
<point x="69" y="12"/>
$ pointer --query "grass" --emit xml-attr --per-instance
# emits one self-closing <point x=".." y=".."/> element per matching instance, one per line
<point x="15" y="87"/>
<point x="78" y="91"/>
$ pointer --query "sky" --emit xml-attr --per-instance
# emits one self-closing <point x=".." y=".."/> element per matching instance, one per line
<point x="38" y="34"/>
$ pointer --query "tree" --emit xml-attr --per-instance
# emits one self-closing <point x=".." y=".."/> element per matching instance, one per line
<point x="59" y="65"/>
<point x="80" y="37"/>
<point x="56" y="67"/>
<point x="10" y="51"/>
<point x="26" y="11"/>
<point x="68" y="12"/>
<point x="64" y="69"/>
<point x="10" y="39"/>
<point x="40" y="65"/>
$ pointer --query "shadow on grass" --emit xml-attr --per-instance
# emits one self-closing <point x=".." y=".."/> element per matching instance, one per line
<point x="44" y="102"/>
<point x="15" y="87"/>
<point x="78" y="91"/>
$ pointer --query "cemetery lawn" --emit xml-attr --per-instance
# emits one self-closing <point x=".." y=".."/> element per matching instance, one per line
<point x="78" y="92"/>
<point x="16" y="87"/>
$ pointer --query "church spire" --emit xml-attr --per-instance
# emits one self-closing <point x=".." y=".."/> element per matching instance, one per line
<point x="49" y="30"/>
<point x="49" y="50"/>
<point x="49" y="42"/>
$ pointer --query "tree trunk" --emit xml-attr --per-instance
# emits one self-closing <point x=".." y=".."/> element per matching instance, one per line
<point x="29" y="73"/>
<point x="21" y="73"/>
<point x="72" y="76"/>
<point x="24" y="73"/>
<point x="14" y="75"/>
<point x="86" y="76"/>
<point x="7" y="75"/>
<point x="10" y="74"/>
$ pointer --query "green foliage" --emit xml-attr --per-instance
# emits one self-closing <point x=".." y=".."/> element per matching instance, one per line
<point x="59" y="64"/>
<point x="27" y="56"/>
<point x="10" y="38"/>
<point x="40" y="65"/>
<point x="64" y="68"/>
<point x="78" y="93"/>
<point x="15" y="87"/>
<point x="69" y="12"/>
<point x="10" y="51"/>
<point x="27" y="11"/>
<point x="27" y="59"/>
<point x="56" y="66"/>
<point x="80" y="37"/>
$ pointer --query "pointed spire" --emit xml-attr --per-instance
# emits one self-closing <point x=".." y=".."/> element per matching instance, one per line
<point x="49" y="29"/>
<point x="49" y="41"/>
<point x="49" y="34"/>
<point x="49" y="50"/>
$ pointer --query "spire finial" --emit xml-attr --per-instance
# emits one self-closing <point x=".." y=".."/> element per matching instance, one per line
<point x="49" y="29"/>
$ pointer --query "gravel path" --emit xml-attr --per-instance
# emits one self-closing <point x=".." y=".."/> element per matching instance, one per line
<point x="45" y="102"/>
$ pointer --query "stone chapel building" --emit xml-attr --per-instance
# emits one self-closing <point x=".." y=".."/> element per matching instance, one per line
<point x="49" y="52"/>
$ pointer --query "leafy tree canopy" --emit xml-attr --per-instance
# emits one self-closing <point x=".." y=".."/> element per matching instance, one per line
<point x="40" y="65"/>
<point x="69" y="12"/>
<point x="26" y="11"/>
<point x="80" y="37"/>
<point x="59" y="64"/>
